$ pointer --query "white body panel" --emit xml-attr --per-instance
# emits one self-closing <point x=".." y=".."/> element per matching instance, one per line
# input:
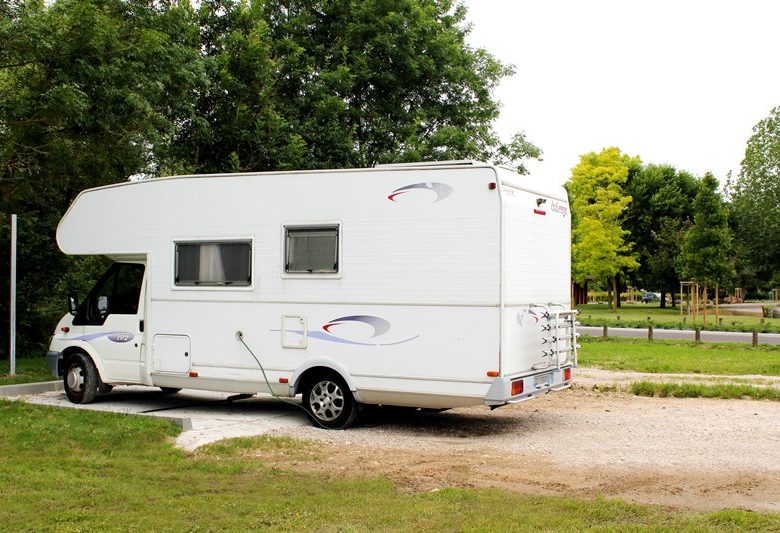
<point x="447" y="266"/>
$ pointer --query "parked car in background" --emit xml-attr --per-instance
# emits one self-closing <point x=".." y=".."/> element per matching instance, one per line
<point x="651" y="297"/>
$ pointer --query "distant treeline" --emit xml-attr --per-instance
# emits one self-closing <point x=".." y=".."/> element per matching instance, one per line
<point x="652" y="226"/>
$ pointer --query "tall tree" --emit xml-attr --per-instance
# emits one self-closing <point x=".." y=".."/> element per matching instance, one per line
<point x="92" y="91"/>
<point x="706" y="247"/>
<point x="657" y="217"/>
<point x="343" y="83"/>
<point x="88" y="90"/>
<point x="597" y="197"/>
<point x="755" y="204"/>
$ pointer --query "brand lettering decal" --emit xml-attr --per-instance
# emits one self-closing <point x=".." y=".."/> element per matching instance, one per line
<point x="442" y="190"/>
<point x="113" y="336"/>
<point x="557" y="207"/>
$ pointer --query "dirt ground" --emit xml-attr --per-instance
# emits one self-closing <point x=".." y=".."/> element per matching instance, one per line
<point x="691" y="453"/>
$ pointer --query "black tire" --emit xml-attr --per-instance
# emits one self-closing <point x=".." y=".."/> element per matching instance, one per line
<point x="80" y="379"/>
<point x="169" y="390"/>
<point x="329" y="402"/>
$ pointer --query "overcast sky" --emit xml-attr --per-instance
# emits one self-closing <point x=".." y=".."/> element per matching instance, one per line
<point x="679" y="82"/>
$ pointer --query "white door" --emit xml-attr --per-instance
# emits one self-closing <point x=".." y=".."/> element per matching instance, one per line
<point x="112" y="316"/>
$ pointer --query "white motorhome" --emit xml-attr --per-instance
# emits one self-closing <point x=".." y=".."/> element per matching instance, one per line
<point x="431" y="285"/>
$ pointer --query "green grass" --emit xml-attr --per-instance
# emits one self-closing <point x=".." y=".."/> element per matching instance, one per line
<point x="28" y="370"/>
<point x="686" y="357"/>
<point x="636" y="316"/>
<point x="691" y="390"/>
<point x="74" y="470"/>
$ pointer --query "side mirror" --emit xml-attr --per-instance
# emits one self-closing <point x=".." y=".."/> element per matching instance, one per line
<point x="73" y="304"/>
<point x="103" y="306"/>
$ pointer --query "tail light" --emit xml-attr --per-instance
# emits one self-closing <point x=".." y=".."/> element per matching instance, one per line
<point x="567" y="374"/>
<point x="517" y="387"/>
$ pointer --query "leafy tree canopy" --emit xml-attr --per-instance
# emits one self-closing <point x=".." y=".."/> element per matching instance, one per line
<point x="755" y="202"/>
<point x="706" y="248"/>
<point x="597" y="197"/>
<point x="656" y="218"/>
<point x="93" y="91"/>
<point x="342" y="83"/>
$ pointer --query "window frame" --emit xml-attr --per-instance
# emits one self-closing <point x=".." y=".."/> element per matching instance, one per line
<point x="337" y="225"/>
<point x="176" y="286"/>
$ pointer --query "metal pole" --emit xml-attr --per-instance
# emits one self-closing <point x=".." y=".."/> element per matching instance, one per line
<point x="12" y="325"/>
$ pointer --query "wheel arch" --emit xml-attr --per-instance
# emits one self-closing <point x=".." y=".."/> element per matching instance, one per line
<point x="312" y="366"/>
<point x="85" y="348"/>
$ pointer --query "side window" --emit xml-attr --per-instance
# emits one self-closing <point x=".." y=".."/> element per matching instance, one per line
<point x="213" y="263"/>
<point x="117" y="292"/>
<point x="127" y="290"/>
<point x="311" y="249"/>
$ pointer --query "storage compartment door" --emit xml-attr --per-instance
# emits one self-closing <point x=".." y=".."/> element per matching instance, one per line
<point x="171" y="353"/>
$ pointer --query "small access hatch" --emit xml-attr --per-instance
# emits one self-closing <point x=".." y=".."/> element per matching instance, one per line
<point x="294" y="334"/>
<point x="171" y="353"/>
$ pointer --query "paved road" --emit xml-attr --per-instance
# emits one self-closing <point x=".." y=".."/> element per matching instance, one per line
<point x="685" y="334"/>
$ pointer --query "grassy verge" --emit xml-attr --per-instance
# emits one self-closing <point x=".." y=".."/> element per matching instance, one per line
<point x="690" y="390"/>
<point x="72" y="470"/>
<point x="28" y="370"/>
<point x="685" y="357"/>
<point x="640" y="315"/>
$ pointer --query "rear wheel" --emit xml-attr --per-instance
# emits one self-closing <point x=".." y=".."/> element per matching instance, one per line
<point x="169" y="390"/>
<point x="81" y="379"/>
<point x="329" y="402"/>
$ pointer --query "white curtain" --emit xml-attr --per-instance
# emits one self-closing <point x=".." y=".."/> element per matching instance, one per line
<point x="211" y="269"/>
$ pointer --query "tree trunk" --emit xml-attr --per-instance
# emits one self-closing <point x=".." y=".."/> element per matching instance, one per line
<point x="663" y="299"/>
<point x="704" y="311"/>
<point x="609" y="295"/>
<point x="616" y="292"/>
<point x="672" y="294"/>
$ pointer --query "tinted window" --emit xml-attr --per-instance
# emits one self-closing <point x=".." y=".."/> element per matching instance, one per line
<point x="117" y="292"/>
<point x="213" y="263"/>
<point x="312" y="249"/>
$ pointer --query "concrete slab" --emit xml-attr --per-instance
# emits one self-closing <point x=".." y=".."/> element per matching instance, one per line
<point x="204" y="416"/>
<point x="31" y="388"/>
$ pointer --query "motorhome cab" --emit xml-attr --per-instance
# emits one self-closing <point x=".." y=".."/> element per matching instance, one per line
<point x="431" y="285"/>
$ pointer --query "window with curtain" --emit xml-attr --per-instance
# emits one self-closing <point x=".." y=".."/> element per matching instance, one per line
<point x="214" y="263"/>
<point x="311" y="249"/>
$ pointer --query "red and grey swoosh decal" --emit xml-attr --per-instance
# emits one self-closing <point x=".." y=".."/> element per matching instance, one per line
<point x="380" y="325"/>
<point x="442" y="190"/>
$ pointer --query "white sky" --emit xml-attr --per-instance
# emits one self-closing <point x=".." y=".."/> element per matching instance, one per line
<point x="679" y="82"/>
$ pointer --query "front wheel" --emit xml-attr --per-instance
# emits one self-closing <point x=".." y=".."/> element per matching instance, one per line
<point x="329" y="402"/>
<point x="81" y="379"/>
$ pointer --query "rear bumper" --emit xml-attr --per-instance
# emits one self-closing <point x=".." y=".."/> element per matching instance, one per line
<point x="53" y="360"/>
<point x="500" y="392"/>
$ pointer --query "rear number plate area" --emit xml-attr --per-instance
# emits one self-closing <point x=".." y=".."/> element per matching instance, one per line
<point x="543" y="380"/>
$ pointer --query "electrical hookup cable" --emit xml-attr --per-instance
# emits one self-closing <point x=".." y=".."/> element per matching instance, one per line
<point x="240" y="338"/>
